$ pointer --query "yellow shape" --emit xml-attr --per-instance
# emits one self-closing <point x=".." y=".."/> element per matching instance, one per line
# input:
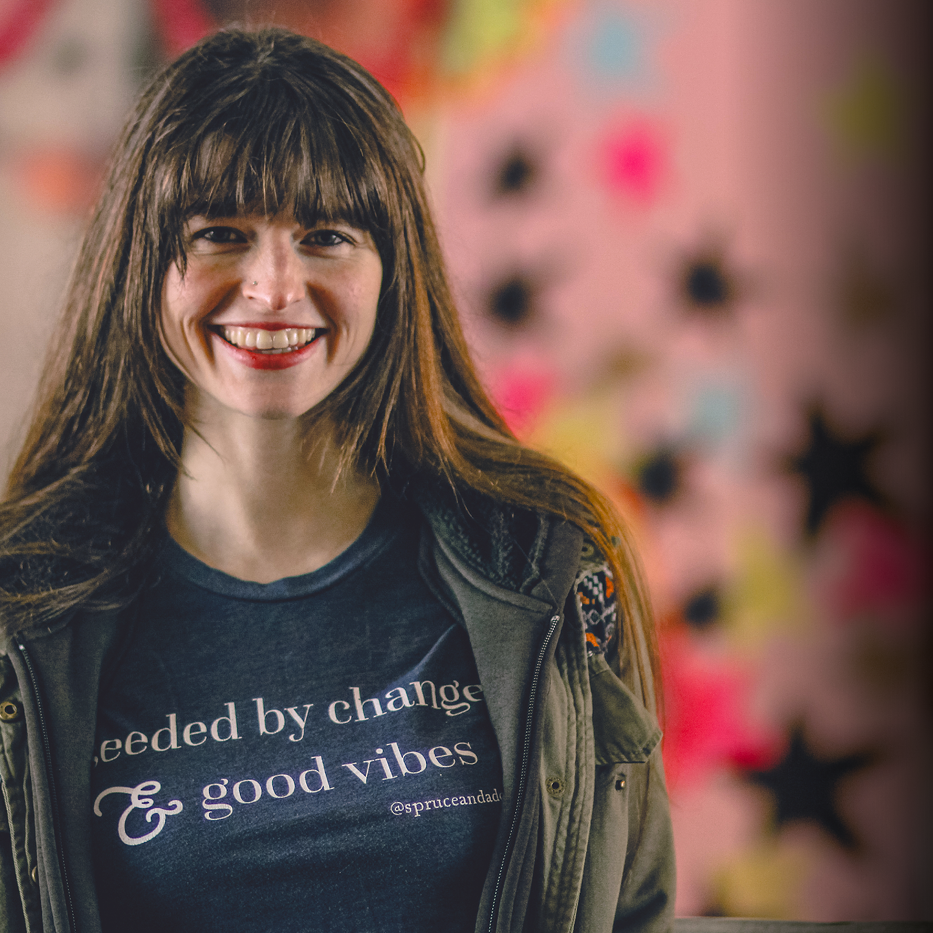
<point x="864" y="296"/>
<point x="767" y="593"/>
<point x="867" y="115"/>
<point x="480" y="31"/>
<point x="764" y="881"/>
<point x="582" y="435"/>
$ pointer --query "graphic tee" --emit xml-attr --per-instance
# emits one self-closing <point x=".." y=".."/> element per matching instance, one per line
<point x="309" y="754"/>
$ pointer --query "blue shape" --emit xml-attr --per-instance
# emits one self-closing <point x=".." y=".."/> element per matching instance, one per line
<point x="613" y="49"/>
<point x="717" y="413"/>
<point x="616" y="48"/>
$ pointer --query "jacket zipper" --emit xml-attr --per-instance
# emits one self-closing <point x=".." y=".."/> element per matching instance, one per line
<point x="53" y="791"/>
<point x="523" y="771"/>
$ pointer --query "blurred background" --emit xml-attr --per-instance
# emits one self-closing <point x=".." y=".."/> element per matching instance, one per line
<point x="690" y="240"/>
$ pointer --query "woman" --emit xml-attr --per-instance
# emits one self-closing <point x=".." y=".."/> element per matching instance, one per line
<point x="297" y="636"/>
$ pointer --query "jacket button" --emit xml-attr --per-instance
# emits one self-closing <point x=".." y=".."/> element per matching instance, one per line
<point x="620" y="784"/>
<point x="9" y="711"/>
<point x="555" y="786"/>
<point x="34" y="874"/>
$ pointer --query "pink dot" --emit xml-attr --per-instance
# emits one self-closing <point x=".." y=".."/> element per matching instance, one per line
<point x="19" y="19"/>
<point x="707" y="725"/>
<point x="877" y="567"/>
<point x="635" y="162"/>
<point x="521" y="397"/>
<point x="182" y="23"/>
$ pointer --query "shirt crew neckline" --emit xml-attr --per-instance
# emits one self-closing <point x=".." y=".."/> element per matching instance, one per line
<point x="387" y="522"/>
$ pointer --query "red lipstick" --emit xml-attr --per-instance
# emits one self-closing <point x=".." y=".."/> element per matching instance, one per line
<point x="259" y="359"/>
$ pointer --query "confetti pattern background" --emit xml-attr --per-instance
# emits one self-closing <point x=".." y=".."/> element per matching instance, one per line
<point x="691" y="242"/>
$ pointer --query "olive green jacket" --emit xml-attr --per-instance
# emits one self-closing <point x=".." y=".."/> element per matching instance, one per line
<point x="585" y="840"/>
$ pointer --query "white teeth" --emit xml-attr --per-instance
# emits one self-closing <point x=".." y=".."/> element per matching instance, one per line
<point x="274" y="340"/>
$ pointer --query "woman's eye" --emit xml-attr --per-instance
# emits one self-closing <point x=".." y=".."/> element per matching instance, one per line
<point x="218" y="235"/>
<point x="326" y="238"/>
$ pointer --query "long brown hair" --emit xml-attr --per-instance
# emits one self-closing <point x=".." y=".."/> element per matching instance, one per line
<point x="266" y="122"/>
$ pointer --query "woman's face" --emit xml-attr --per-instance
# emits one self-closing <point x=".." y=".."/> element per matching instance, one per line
<point x="270" y="316"/>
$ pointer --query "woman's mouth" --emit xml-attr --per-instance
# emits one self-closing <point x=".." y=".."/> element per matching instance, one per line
<point x="272" y="342"/>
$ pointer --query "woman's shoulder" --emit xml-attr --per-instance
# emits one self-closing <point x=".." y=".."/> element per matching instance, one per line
<point x="508" y="544"/>
<point x="595" y="596"/>
<point x="498" y="539"/>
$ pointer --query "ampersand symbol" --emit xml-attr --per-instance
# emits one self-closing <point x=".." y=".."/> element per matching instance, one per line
<point x="139" y="802"/>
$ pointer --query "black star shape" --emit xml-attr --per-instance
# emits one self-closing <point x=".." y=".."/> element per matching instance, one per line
<point x="512" y="300"/>
<point x="707" y="284"/>
<point x="517" y="172"/>
<point x="804" y="787"/>
<point x="703" y="608"/>
<point x="833" y="469"/>
<point x="659" y="476"/>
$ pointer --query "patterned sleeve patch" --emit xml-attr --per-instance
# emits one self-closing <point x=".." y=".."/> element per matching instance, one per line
<point x="594" y="591"/>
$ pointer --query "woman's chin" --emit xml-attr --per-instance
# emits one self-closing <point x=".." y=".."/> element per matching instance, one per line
<point x="209" y="411"/>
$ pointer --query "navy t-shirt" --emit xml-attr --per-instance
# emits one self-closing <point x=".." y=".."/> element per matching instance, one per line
<point x="309" y="754"/>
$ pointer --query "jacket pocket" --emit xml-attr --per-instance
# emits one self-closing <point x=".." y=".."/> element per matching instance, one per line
<point x="623" y="729"/>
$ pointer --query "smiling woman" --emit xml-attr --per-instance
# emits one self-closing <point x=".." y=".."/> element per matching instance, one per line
<point x="277" y="584"/>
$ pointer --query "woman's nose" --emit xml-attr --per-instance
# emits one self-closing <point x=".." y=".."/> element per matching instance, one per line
<point x="274" y="275"/>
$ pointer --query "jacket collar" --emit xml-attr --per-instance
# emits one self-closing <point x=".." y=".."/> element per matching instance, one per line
<point x="504" y="544"/>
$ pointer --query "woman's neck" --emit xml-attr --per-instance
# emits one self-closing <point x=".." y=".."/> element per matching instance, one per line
<point x="263" y="502"/>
